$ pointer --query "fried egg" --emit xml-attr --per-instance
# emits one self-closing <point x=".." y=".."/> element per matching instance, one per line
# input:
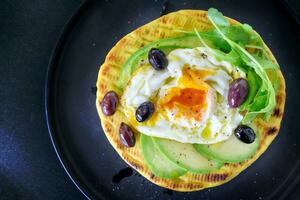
<point x="190" y="98"/>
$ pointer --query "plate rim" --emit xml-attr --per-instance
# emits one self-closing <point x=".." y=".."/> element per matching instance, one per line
<point x="50" y="74"/>
<point x="284" y="188"/>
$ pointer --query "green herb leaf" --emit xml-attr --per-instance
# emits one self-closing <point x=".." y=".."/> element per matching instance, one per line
<point x="237" y="34"/>
<point x="254" y="37"/>
<point x="231" y="57"/>
<point x="217" y="17"/>
<point x="266" y="63"/>
<point x="265" y="98"/>
<point x="254" y="83"/>
<point x="249" y="118"/>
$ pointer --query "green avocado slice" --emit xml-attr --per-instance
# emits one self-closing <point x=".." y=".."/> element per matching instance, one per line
<point x="185" y="156"/>
<point x="231" y="150"/>
<point x="157" y="162"/>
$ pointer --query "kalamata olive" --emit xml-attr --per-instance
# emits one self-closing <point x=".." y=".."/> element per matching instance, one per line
<point x="126" y="135"/>
<point x="109" y="103"/>
<point x="157" y="59"/>
<point x="238" y="91"/>
<point x="144" y="111"/>
<point x="245" y="134"/>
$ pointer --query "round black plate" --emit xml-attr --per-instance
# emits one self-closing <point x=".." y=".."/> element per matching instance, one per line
<point x="74" y="125"/>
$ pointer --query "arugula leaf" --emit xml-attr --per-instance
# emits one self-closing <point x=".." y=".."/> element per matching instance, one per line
<point x="265" y="98"/>
<point x="256" y="41"/>
<point x="266" y="83"/>
<point x="266" y="63"/>
<point x="218" y="42"/>
<point x="217" y="17"/>
<point x="260" y="101"/>
<point x="254" y="37"/>
<point x="248" y="118"/>
<point x="237" y="34"/>
<point x="254" y="83"/>
<point x="231" y="57"/>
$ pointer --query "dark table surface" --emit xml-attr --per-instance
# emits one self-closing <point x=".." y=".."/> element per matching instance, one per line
<point x="29" y="168"/>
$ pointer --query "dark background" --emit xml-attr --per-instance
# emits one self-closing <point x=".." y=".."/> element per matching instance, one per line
<point x="29" y="168"/>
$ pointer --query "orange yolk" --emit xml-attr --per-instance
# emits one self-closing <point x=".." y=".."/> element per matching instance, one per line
<point x="189" y="98"/>
<point x="190" y="102"/>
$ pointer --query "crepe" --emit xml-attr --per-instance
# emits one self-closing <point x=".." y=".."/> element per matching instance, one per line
<point x="160" y="28"/>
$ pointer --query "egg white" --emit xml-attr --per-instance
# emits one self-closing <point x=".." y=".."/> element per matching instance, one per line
<point x="218" y="120"/>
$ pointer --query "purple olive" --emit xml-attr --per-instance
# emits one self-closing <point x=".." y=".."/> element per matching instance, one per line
<point x="245" y="134"/>
<point x="109" y="103"/>
<point x="238" y="91"/>
<point x="126" y="135"/>
<point x="157" y="59"/>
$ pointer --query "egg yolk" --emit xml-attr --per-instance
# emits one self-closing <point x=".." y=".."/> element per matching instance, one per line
<point x="189" y="97"/>
<point x="190" y="102"/>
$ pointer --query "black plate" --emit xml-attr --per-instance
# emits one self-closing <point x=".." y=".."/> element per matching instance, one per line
<point x="74" y="126"/>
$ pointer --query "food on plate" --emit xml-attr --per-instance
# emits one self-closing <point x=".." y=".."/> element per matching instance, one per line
<point x="190" y="99"/>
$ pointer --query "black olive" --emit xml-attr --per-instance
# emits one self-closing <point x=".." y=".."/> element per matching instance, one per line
<point x="109" y="103"/>
<point x="126" y="135"/>
<point x="157" y="59"/>
<point x="245" y="134"/>
<point x="144" y="111"/>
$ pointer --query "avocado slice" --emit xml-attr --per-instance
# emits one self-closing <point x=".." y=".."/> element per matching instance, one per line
<point x="231" y="150"/>
<point x="185" y="156"/>
<point x="157" y="162"/>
